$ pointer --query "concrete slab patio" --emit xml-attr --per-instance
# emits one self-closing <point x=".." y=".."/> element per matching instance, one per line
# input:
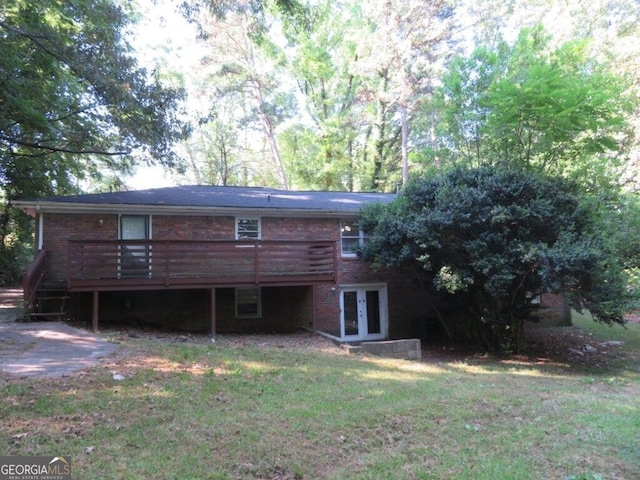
<point x="44" y="349"/>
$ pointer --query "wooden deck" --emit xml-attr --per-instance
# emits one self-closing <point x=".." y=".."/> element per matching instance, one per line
<point x="158" y="264"/>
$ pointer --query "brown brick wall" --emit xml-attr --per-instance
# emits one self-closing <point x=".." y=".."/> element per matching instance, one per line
<point x="283" y="307"/>
<point x="278" y="228"/>
<point x="406" y="300"/>
<point x="327" y="303"/>
<point x="59" y="228"/>
<point x="192" y="228"/>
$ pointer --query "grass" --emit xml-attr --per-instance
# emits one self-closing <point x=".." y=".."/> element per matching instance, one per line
<point x="245" y="411"/>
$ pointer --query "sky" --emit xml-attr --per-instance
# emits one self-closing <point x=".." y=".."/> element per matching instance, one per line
<point x="162" y="35"/>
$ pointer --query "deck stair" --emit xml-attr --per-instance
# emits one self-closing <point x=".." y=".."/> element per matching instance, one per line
<point x="50" y="302"/>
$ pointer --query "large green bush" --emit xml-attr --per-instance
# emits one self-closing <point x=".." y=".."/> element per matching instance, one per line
<point x="486" y="242"/>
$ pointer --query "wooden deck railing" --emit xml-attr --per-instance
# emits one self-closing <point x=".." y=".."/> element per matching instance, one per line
<point x="136" y="264"/>
<point x="32" y="278"/>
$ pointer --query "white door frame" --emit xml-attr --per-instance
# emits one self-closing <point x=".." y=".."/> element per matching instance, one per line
<point x="361" y="290"/>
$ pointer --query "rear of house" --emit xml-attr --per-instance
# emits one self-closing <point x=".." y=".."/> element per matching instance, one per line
<point x="224" y="259"/>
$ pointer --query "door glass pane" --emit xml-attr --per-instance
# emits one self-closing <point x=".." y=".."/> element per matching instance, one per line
<point x="373" y="312"/>
<point x="350" y="312"/>
<point x="134" y="228"/>
<point x="134" y="259"/>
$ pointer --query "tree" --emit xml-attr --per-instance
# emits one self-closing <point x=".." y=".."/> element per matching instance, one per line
<point x="221" y="152"/>
<point x="73" y="101"/>
<point x="362" y="70"/>
<point x="70" y="86"/>
<point x="323" y="153"/>
<point x="213" y="152"/>
<point x="398" y="57"/>
<point x="555" y="111"/>
<point x="485" y="242"/>
<point x="241" y="63"/>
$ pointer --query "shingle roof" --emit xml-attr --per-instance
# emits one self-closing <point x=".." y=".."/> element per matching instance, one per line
<point x="217" y="197"/>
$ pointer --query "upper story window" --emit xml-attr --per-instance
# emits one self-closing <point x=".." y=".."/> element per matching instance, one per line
<point x="248" y="229"/>
<point x="351" y="237"/>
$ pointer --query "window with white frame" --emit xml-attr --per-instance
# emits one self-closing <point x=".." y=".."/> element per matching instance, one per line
<point x="351" y="237"/>
<point x="248" y="229"/>
<point x="248" y="303"/>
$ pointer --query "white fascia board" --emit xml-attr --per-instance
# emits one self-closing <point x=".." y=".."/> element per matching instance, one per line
<point x="118" y="208"/>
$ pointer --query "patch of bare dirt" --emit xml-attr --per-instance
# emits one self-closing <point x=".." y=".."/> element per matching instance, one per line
<point x="569" y="348"/>
<point x="574" y="347"/>
<point x="633" y="316"/>
<point x="290" y="341"/>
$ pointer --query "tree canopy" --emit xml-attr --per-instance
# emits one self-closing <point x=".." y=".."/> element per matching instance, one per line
<point x="73" y="99"/>
<point x="485" y="242"/>
<point x="357" y="82"/>
<point x="350" y="77"/>
<point x="527" y="105"/>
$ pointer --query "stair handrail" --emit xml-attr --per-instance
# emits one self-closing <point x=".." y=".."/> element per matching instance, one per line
<point x="32" y="279"/>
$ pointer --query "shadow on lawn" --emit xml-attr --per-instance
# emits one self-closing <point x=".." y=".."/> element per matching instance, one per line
<point x="551" y="349"/>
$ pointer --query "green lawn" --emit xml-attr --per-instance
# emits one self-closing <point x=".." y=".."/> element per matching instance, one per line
<point x="244" y="410"/>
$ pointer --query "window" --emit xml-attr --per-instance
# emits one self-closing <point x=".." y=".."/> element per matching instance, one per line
<point x="351" y="237"/>
<point x="248" y="229"/>
<point x="248" y="303"/>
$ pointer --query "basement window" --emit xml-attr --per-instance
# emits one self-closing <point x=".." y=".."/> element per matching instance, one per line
<point x="248" y="303"/>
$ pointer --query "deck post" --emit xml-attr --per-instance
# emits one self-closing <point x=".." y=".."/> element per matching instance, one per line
<point x="213" y="311"/>
<point x="94" y="316"/>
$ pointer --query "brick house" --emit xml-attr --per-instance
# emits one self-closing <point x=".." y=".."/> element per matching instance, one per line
<point x="224" y="259"/>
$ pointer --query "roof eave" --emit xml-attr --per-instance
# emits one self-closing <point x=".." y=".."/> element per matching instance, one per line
<point x="32" y="208"/>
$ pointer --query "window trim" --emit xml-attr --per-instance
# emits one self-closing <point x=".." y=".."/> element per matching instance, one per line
<point x="258" y="303"/>
<point x="237" y="233"/>
<point x="361" y="237"/>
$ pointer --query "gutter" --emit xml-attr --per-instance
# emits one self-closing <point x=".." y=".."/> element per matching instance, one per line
<point x="32" y="208"/>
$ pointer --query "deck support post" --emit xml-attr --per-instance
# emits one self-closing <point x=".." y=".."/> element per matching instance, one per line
<point x="213" y="311"/>
<point x="94" y="316"/>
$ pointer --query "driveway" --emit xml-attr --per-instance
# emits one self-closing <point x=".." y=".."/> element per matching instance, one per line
<point x="44" y="349"/>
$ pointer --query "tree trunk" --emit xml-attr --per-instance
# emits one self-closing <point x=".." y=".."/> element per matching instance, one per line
<point x="379" y="143"/>
<point x="405" y="144"/>
<point x="271" y="140"/>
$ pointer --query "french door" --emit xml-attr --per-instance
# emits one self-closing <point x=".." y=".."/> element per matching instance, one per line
<point x="363" y="312"/>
